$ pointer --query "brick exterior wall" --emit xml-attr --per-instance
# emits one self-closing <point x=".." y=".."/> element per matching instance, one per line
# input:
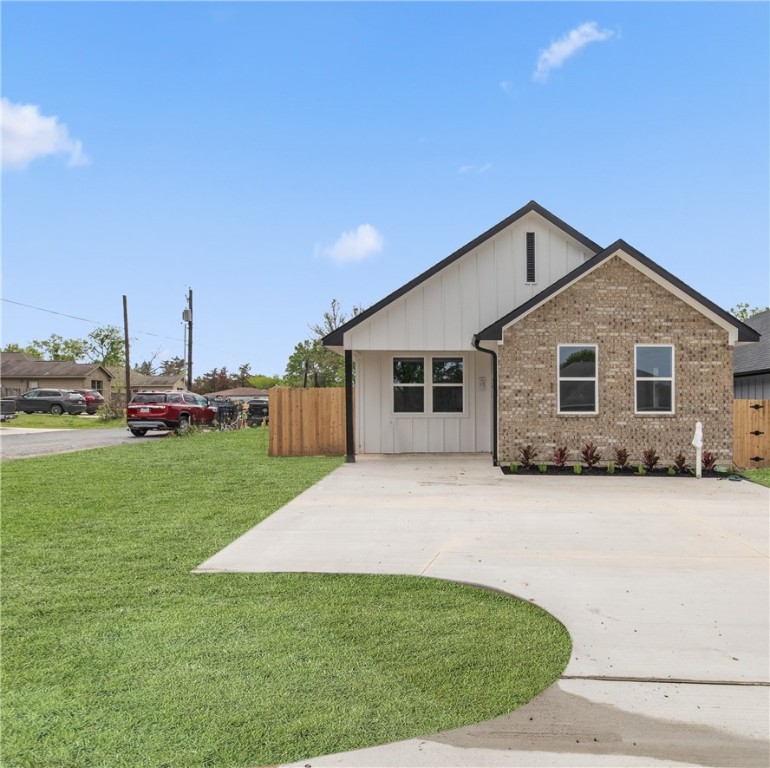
<point x="615" y="307"/>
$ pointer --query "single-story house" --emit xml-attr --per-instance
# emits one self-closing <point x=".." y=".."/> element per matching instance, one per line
<point x="533" y="333"/>
<point x="20" y="372"/>
<point x="141" y="382"/>
<point x="242" y="394"/>
<point x="751" y="362"/>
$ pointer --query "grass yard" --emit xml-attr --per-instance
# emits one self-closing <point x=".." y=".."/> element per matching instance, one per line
<point x="114" y="654"/>
<point x="65" y="421"/>
<point x="761" y="476"/>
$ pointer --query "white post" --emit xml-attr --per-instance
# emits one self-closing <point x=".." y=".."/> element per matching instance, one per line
<point x="697" y="442"/>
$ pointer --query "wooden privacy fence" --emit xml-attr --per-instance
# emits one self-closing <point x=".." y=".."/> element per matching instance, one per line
<point x="307" y="422"/>
<point x="751" y="433"/>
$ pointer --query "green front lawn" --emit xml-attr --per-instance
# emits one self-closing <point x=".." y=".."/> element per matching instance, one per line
<point x="65" y="421"/>
<point x="115" y="654"/>
<point x="761" y="476"/>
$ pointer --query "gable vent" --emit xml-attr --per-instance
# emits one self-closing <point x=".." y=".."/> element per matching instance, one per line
<point x="530" y="257"/>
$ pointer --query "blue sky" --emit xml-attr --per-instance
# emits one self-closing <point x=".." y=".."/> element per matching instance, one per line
<point x="273" y="156"/>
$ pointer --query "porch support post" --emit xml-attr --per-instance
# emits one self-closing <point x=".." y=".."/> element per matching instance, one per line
<point x="350" y="448"/>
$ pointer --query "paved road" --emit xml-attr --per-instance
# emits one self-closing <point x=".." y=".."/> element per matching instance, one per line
<point x="18" y="443"/>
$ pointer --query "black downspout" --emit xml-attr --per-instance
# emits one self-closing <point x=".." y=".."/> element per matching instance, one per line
<point x="350" y="447"/>
<point x="477" y="344"/>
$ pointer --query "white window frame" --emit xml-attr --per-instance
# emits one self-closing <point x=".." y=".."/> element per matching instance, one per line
<point x="671" y="378"/>
<point x="560" y="378"/>
<point x="428" y="385"/>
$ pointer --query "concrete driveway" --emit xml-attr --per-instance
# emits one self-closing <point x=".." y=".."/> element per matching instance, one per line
<point x="662" y="583"/>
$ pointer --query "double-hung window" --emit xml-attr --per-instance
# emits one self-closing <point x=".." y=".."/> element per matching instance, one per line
<point x="578" y="377"/>
<point x="654" y="378"/>
<point x="428" y="384"/>
<point x="409" y="385"/>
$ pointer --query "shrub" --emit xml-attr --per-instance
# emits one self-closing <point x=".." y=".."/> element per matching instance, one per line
<point x="611" y="468"/>
<point x="542" y="467"/>
<point x="591" y="455"/>
<point x="108" y="412"/>
<point x="560" y="455"/>
<point x="528" y="453"/>
<point x="649" y="459"/>
<point x="577" y="469"/>
<point x="708" y="460"/>
<point x="514" y="467"/>
<point x="640" y="470"/>
<point x="671" y="471"/>
<point x="680" y="463"/>
<point x="621" y="457"/>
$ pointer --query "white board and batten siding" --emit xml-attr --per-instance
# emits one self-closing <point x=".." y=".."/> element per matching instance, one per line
<point x="440" y="316"/>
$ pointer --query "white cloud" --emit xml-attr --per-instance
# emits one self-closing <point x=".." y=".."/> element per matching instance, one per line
<point x="567" y="46"/>
<point x="475" y="168"/>
<point x="356" y="245"/>
<point x="28" y="135"/>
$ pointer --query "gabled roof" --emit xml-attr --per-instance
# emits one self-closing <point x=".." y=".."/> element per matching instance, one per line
<point x="18" y="365"/>
<point x="753" y="359"/>
<point x="336" y="337"/>
<point x="494" y="332"/>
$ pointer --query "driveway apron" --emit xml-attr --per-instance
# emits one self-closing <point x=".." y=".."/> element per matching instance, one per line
<point x="662" y="583"/>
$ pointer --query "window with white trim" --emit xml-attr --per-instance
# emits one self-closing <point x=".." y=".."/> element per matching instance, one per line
<point x="442" y="393"/>
<point x="408" y="385"/>
<point x="447" y="395"/>
<point x="654" y="378"/>
<point x="578" y="378"/>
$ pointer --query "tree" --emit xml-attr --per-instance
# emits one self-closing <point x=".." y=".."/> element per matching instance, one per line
<point x="28" y="350"/>
<point x="262" y="381"/>
<point x="57" y="348"/>
<point x="314" y="365"/>
<point x="743" y="312"/>
<point x="173" y="367"/>
<point x="105" y="346"/>
<point x="146" y="368"/>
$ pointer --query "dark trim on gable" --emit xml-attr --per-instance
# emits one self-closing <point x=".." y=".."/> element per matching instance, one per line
<point x="336" y="338"/>
<point x="494" y="332"/>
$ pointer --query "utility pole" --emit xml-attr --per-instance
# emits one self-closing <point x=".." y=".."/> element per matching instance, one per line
<point x="188" y="316"/>
<point x="128" y="358"/>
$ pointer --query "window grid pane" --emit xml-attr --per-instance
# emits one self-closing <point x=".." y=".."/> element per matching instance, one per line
<point x="654" y="368"/>
<point x="577" y="376"/>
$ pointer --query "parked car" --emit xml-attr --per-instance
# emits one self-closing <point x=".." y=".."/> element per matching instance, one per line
<point x="55" y="401"/>
<point x="7" y="409"/>
<point x="258" y="412"/>
<point x="94" y="399"/>
<point x="167" y="411"/>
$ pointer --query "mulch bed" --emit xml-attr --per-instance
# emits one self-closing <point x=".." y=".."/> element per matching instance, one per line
<point x="552" y="469"/>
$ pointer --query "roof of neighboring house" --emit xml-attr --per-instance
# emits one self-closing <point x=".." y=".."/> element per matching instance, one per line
<point x="754" y="358"/>
<point x="494" y="331"/>
<point x="145" y="381"/>
<point x="239" y="392"/>
<point x="19" y="365"/>
<point x="335" y="338"/>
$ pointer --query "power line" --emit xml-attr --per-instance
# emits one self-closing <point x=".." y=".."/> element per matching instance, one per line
<point x="85" y="319"/>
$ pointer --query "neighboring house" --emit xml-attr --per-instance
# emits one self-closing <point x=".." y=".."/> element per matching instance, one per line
<point x="533" y="333"/>
<point x="20" y="372"/>
<point x="142" y="383"/>
<point x="238" y="393"/>
<point x="751" y="363"/>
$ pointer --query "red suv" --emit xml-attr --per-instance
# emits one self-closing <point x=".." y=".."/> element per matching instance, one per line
<point x="167" y="411"/>
<point x="94" y="399"/>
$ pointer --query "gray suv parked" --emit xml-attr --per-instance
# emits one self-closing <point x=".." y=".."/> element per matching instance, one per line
<point x="56" y="401"/>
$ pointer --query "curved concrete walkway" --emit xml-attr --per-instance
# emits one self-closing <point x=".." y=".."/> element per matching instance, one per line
<point x="662" y="583"/>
